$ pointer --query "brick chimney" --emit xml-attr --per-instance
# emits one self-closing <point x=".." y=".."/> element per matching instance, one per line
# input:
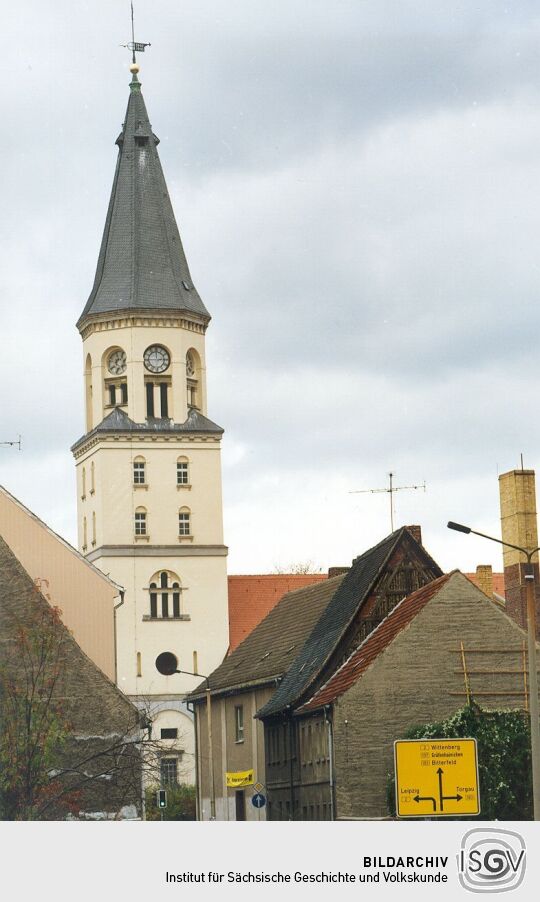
<point x="484" y="579"/>
<point x="416" y="533"/>
<point x="518" y="526"/>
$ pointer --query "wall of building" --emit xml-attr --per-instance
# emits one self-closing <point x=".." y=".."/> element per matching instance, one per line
<point x="85" y="597"/>
<point x="418" y="679"/>
<point x="230" y="755"/>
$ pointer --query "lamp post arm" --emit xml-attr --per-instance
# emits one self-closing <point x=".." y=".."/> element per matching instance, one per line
<point x="528" y="554"/>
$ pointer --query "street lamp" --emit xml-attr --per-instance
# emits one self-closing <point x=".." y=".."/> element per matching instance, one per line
<point x="531" y="643"/>
<point x="166" y="664"/>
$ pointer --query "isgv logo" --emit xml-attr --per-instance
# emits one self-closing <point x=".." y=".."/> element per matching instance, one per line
<point x="491" y="861"/>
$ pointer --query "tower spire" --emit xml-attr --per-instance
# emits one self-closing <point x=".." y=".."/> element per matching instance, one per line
<point x="142" y="266"/>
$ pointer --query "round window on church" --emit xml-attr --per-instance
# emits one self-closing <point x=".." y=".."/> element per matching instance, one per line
<point x="156" y="359"/>
<point x="116" y="362"/>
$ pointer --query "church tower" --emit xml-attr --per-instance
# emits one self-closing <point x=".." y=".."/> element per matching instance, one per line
<point x="148" y="466"/>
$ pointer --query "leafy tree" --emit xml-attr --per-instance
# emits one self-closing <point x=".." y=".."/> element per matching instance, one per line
<point x="504" y="758"/>
<point x="181" y="805"/>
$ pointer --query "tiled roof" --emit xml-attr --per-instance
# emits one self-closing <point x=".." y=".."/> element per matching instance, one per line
<point x="498" y="582"/>
<point x="336" y="618"/>
<point x="251" y="598"/>
<point x="374" y="644"/>
<point x="267" y="652"/>
<point x="141" y="265"/>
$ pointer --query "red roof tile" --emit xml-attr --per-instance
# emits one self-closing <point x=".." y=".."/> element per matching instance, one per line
<point x="374" y="644"/>
<point x="251" y="598"/>
<point x="498" y="582"/>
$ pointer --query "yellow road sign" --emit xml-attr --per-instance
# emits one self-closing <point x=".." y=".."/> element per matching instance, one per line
<point x="239" y="778"/>
<point x="436" y="777"/>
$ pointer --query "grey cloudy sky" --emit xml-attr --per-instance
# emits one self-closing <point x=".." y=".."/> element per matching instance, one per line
<point x="356" y="184"/>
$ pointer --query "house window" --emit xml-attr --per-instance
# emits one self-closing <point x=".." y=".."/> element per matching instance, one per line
<point x="166" y="585"/>
<point x="182" y="472"/>
<point x="238" y="723"/>
<point x="169" y="733"/>
<point x="169" y="771"/>
<point x="140" y="523"/>
<point x="139" y="472"/>
<point x="184" y="523"/>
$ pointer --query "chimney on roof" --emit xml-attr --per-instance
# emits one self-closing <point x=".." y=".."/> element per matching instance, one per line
<point x="416" y="533"/>
<point x="484" y="579"/>
<point x="337" y="571"/>
<point x="519" y="527"/>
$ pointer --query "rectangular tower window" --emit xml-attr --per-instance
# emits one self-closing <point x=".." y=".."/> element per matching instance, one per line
<point x="164" y="398"/>
<point x="140" y="523"/>
<point x="176" y="604"/>
<point x="165" y="604"/>
<point x="182" y="474"/>
<point x="150" y="399"/>
<point x="169" y="733"/>
<point x="183" y="524"/>
<point x="112" y="395"/>
<point x="153" y="604"/>
<point x="139" y="473"/>
<point x="123" y="390"/>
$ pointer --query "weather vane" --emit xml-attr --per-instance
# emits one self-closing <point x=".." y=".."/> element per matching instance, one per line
<point x="133" y="45"/>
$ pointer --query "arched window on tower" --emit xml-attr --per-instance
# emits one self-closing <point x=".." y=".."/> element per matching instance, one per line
<point x="182" y="472"/>
<point x="88" y="392"/>
<point x="193" y="380"/>
<point x="184" y="523"/>
<point x="139" y="471"/>
<point x="92" y="478"/>
<point x="84" y="534"/>
<point x="140" y="522"/>
<point x="83" y="487"/>
<point x="165" y="597"/>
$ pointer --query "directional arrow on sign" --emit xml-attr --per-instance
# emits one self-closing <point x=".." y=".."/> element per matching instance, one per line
<point x="443" y="798"/>
<point x="426" y="799"/>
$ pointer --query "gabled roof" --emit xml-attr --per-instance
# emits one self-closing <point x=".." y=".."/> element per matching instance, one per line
<point x="374" y="644"/>
<point x="267" y="652"/>
<point x="92" y="694"/>
<point x="118" y="421"/>
<point x="252" y="597"/>
<point x="337" y="617"/>
<point x="141" y="265"/>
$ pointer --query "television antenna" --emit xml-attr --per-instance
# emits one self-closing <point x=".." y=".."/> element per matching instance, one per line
<point x="390" y="490"/>
<point x="17" y="444"/>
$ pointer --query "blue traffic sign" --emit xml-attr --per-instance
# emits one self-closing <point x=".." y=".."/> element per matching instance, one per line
<point x="258" y="800"/>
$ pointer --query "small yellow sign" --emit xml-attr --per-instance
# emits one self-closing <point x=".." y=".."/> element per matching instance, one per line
<point x="436" y="777"/>
<point x="239" y="778"/>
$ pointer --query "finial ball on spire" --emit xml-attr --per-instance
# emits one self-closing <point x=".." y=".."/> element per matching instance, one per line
<point x="134" y="68"/>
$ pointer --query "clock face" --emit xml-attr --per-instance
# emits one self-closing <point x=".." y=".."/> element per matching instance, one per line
<point x="156" y="359"/>
<point x="117" y="363"/>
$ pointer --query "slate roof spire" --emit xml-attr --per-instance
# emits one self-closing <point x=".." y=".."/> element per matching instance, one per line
<point x="141" y="265"/>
